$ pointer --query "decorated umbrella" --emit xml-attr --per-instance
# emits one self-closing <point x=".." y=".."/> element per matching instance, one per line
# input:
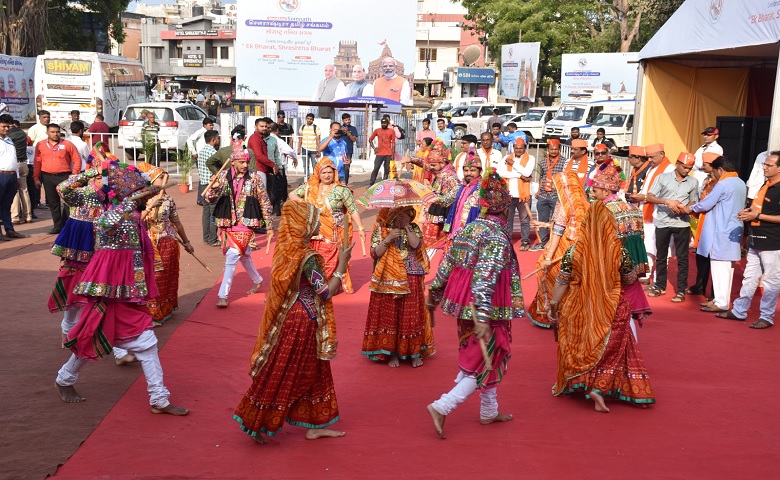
<point x="396" y="193"/>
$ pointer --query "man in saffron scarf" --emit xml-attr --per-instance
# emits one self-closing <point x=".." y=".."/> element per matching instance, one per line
<point x="290" y="368"/>
<point x="398" y="325"/>
<point x="591" y="313"/>
<point x="579" y="161"/>
<point x="763" y="259"/>
<point x="478" y="283"/>
<point x="517" y="168"/>
<point x="659" y="165"/>
<point x="721" y="235"/>
<point x="569" y="212"/>
<point x="242" y="207"/>
<point x="326" y="192"/>
<point x="547" y="196"/>
<point x="637" y="158"/>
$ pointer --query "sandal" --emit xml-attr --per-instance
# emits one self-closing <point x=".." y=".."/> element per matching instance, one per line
<point x="713" y="309"/>
<point x="679" y="298"/>
<point x="222" y="303"/>
<point x="655" y="292"/>
<point x="729" y="315"/>
<point x="761" y="324"/>
<point x="524" y="247"/>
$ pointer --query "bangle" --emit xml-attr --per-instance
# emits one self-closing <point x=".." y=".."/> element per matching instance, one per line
<point x="758" y="215"/>
<point x="553" y="303"/>
<point x="361" y="229"/>
<point x="339" y="275"/>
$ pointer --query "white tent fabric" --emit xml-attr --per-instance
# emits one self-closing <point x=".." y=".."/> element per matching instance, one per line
<point x="701" y="26"/>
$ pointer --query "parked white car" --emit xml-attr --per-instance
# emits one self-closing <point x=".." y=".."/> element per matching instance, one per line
<point x="533" y="122"/>
<point x="618" y="127"/>
<point x="177" y="122"/>
<point x="484" y="112"/>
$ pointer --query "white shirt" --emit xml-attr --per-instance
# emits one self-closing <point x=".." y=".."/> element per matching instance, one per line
<point x="82" y="148"/>
<point x="196" y="140"/>
<point x="698" y="173"/>
<point x="516" y="171"/>
<point x="494" y="161"/>
<point x="757" y="178"/>
<point x="37" y="133"/>
<point x="646" y="185"/>
<point x="8" y="161"/>
<point x="284" y="149"/>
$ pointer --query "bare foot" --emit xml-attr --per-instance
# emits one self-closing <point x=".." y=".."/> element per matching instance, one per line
<point x="417" y="362"/>
<point x="171" y="410"/>
<point x="438" y="421"/>
<point x="68" y="394"/>
<point x="599" y="401"/>
<point x="254" y="288"/>
<point x="259" y="439"/>
<point x="129" y="358"/>
<point x="498" y="418"/>
<point x="393" y="362"/>
<point x="222" y="303"/>
<point x="315" y="433"/>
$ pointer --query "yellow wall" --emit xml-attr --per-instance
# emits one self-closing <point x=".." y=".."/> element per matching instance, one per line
<point x="681" y="101"/>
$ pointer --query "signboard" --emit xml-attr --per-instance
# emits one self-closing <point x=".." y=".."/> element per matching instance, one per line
<point x="611" y="72"/>
<point x="17" y="81"/>
<point x="311" y="50"/>
<point x="67" y="66"/>
<point x="197" y="33"/>
<point x="519" y="67"/>
<point x="213" y="79"/>
<point x="193" y="59"/>
<point x="476" y="75"/>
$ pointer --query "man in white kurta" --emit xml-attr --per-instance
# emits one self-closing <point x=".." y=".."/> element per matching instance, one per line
<point x="517" y="168"/>
<point x="721" y="235"/>
<point x="710" y="138"/>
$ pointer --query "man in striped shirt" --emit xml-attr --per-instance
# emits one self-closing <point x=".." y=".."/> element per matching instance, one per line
<point x="204" y="177"/>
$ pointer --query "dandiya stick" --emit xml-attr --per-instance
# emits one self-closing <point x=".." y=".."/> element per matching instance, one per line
<point x="540" y="269"/>
<point x="482" y="344"/>
<point x="178" y="239"/>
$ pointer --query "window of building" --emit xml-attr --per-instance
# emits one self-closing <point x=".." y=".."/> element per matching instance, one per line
<point x="197" y="48"/>
<point x="158" y="53"/>
<point x="429" y="53"/>
<point x="189" y="48"/>
<point x="224" y="53"/>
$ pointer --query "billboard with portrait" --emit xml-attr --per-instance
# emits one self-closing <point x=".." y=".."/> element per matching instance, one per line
<point x="17" y="76"/>
<point x="519" y="67"/>
<point x="613" y="72"/>
<point x="315" y="50"/>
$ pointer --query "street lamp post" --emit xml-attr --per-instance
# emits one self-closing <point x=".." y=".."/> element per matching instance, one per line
<point x="426" y="90"/>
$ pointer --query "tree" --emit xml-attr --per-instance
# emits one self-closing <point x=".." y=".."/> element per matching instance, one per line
<point x="568" y="26"/>
<point x="25" y="29"/>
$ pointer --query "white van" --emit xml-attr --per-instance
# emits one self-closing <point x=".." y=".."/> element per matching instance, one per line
<point x="583" y="111"/>
<point x="618" y="127"/>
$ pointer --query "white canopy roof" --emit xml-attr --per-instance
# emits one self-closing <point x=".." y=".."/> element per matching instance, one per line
<point x="726" y="28"/>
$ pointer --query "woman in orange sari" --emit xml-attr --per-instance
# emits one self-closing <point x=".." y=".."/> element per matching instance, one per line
<point x="324" y="191"/>
<point x="569" y="211"/>
<point x="290" y="368"/>
<point x="597" y="350"/>
<point x="161" y="220"/>
<point x="398" y="324"/>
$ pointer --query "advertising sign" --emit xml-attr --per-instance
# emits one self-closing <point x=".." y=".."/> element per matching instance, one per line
<point x="193" y="59"/>
<point x="316" y="51"/>
<point x="598" y="71"/>
<point x="17" y="76"/>
<point x="519" y="67"/>
<point x="476" y="75"/>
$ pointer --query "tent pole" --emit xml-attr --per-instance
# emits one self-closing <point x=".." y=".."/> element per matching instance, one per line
<point x="636" y="136"/>
<point x="774" y="122"/>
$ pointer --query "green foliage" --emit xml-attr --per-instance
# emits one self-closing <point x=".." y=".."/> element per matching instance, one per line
<point x="149" y="145"/>
<point x="568" y="26"/>
<point x="186" y="163"/>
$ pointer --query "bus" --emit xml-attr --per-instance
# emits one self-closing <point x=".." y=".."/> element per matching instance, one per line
<point x="92" y="83"/>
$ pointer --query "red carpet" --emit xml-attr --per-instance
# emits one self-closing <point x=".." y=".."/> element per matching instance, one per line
<point x="715" y="381"/>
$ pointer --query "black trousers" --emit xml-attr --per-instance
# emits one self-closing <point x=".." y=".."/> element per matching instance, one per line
<point x="346" y="169"/>
<point x="59" y="211"/>
<point x="702" y="276"/>
<point x="34" y="191"/>
<point x="381" y="161"/>
<point x="663" y="237"/>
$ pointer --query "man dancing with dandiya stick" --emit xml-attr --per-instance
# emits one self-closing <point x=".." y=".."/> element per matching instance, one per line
<point x="491" y="294"/>
<point x="242" y="208"/>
